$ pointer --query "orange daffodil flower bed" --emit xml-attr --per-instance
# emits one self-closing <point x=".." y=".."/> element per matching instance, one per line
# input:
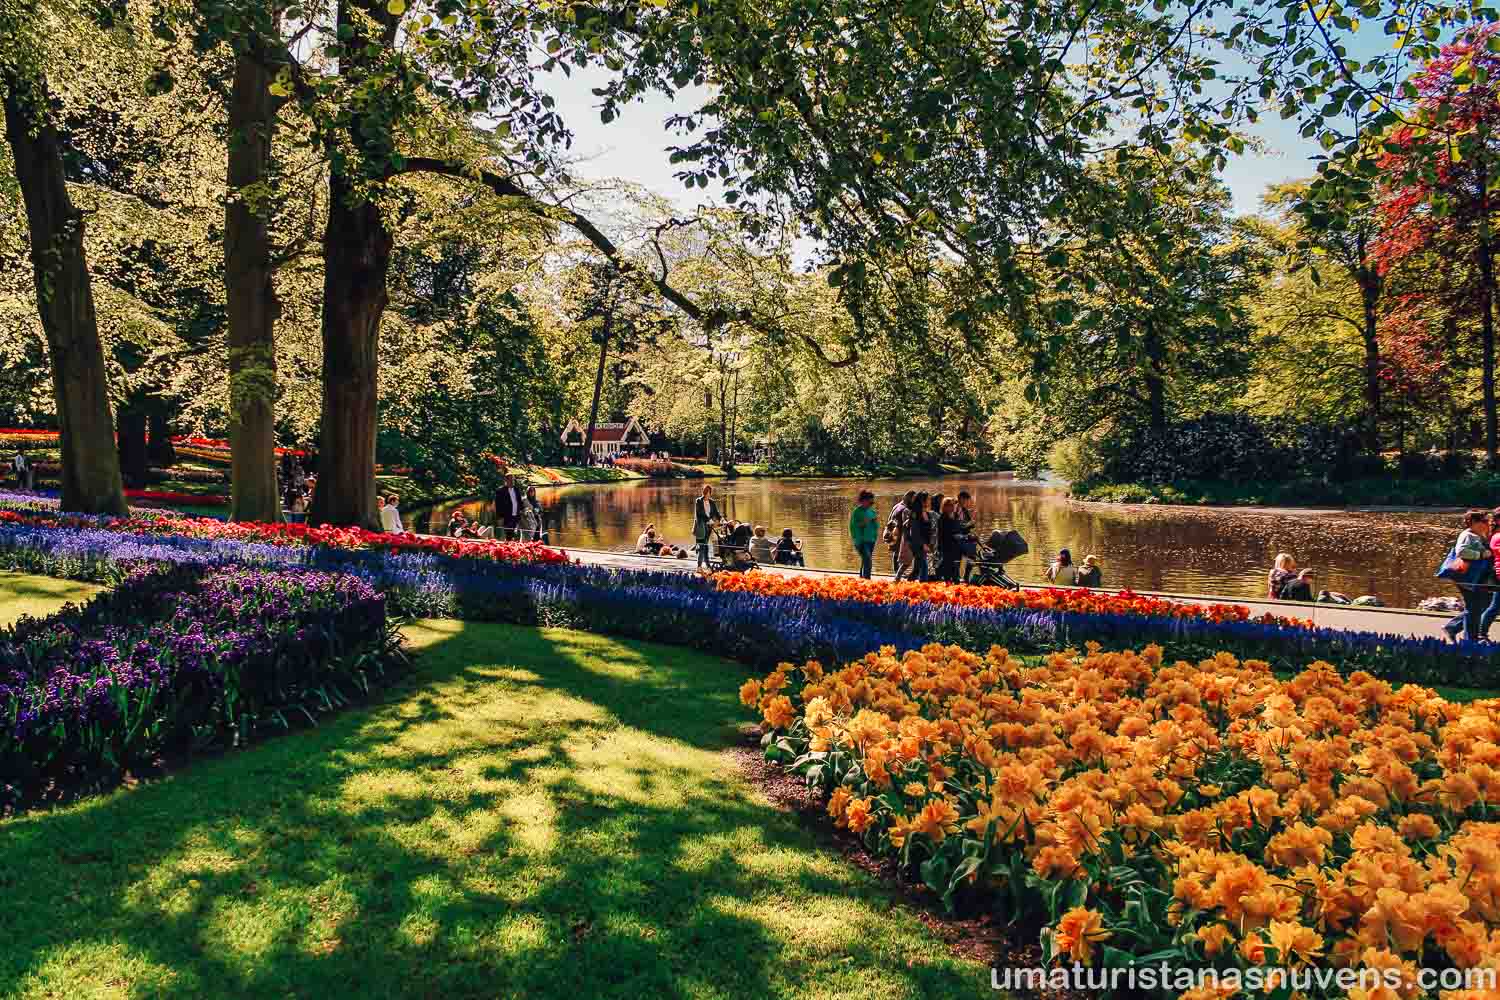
<point x="1206" y="814"/>
<point x="849" y="588"/>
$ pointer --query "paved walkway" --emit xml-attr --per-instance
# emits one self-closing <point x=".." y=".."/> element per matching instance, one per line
<point x="1387" y="621"/>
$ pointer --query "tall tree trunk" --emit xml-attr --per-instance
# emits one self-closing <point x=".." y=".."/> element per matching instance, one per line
<point x="588" y="436"/>
<point x="250" y="297"/>
<point x="131" y="437"/>
<point x="65" y="301"/>
<point x="356" y="261"/>
<point x="1370" y="296"/>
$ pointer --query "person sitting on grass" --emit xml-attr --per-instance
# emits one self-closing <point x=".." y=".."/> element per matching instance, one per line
<point x="789" y="550"/>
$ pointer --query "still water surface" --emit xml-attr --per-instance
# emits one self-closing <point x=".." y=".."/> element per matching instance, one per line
<point x="1186" y="550"/>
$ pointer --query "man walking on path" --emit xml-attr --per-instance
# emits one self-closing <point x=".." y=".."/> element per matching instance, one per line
<point x="864" y="530"/>
<point x="508" y="508"/>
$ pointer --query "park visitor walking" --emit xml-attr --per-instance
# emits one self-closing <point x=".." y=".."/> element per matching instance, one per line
<point x="508" y="501"/>
<point x="917" y="534"/>
<point x="705" y="515"/>
<point x="1471" y="568"/>
<point x="894" y="533"/>
<point x="864" y="531"/>
<point x="950" y="534"/>
<point x="390" y="516"/>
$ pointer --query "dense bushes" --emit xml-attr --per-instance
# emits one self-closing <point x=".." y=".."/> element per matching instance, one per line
<point x="1234" y="458"/>
<point x="178" y="657"/>
<point x="1234" y="447"/>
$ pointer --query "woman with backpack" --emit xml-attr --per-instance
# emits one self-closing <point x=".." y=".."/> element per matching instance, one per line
<point x="1470" y="567"/>
<point x="916" y="533"/>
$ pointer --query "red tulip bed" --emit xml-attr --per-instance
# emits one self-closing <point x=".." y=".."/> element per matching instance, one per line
<point x="151" y="523"/>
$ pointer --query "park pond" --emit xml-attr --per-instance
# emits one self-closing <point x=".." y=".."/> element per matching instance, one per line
<point x="1216" y="551"/>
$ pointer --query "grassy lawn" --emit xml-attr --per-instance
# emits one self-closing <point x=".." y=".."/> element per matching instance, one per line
<point x="37" y="596"/>
<point x="536" y="813"/>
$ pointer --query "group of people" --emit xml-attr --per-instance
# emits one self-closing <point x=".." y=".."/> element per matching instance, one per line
<point x="518" y="513"/>
<point x="740" y="544"/>
<point x="1064" y="572"/>
<point x="928" y="535"/>
<point x="1286" y="582"/>
<point x="390" y="513"/>
<point x="1470" y="565"/>
<point x="297" y="486"/>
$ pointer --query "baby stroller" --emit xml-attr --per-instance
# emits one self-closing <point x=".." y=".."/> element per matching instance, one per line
<point x="988" y="567"/>
<point x="731" y="550"/>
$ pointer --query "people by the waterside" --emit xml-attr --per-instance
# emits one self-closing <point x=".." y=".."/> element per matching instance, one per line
<point x="1062" y="571"/>
<point x="950" y="532"/>
<point x="916" y="537"/>
<point x="508" y="502"/>
<point x="895" y="537"/>
<point x="1470" y="566"/>
<point x="531" y="528"/>
<point x="1283" y="571"/>
<point x="789" y="550"/>
<point x="864" y="531"/>
<point x="390" y="515"/>
<point x="705" y="515"/>
<point x="762" y="549"/>
<point x="1091" y="574"/>
<point x="648" y="544"/>
<point x="1299" y="587"/>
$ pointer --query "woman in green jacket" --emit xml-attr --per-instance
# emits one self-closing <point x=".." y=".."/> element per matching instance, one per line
<point x="864" y="529"/>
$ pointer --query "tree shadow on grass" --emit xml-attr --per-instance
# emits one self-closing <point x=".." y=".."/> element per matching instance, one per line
<point x="534" y="814"/>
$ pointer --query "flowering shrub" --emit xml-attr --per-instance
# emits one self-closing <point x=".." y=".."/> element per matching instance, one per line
<point x="178" y="657"/>
<point x="656" y="468"/>
<point x="1202" y="814"/>
<point x="846" y="588"/>
<point x="169" y="496"/>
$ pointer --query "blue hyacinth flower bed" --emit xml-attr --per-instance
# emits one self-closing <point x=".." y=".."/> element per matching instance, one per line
<point x="179" y="657"/>
<point x="687" y="610"/>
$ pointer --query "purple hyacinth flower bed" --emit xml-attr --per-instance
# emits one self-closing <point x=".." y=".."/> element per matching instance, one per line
<point x="179" y="659"/>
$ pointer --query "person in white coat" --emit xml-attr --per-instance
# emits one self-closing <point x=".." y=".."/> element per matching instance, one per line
<point x="390" y="516"/>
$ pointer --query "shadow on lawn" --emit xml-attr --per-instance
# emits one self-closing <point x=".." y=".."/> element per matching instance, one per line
<point x="464" y="840"/>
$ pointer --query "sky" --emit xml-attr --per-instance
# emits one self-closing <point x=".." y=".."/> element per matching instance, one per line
<point x="634" y="146"/>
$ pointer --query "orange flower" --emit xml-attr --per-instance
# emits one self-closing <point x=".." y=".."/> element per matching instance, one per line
<point x="1077" y="932"/>
<point x="936" y="819"/>
<point x="779" y="713"/>
<point x="750" y="693"/>
<point x="858" y="815"/>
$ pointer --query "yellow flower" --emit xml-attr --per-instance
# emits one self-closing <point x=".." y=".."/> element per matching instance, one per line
<point x="1295" y="944"/>
<point x="914" y="789"/>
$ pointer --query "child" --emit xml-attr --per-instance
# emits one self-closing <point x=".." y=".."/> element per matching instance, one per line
<point x="1091" y="575"/>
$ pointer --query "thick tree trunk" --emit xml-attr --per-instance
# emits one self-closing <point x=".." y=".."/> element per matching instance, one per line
<point x="160" y="451"/>
<point x="80" y="385"/>
<point x="588" y="436"/>
<point x="131" y="436"/>
<point x="250" y="297"/>
<point x="356" y="260"/>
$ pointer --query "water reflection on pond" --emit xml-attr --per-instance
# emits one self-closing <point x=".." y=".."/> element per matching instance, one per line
<point x="1213" y="551"/>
